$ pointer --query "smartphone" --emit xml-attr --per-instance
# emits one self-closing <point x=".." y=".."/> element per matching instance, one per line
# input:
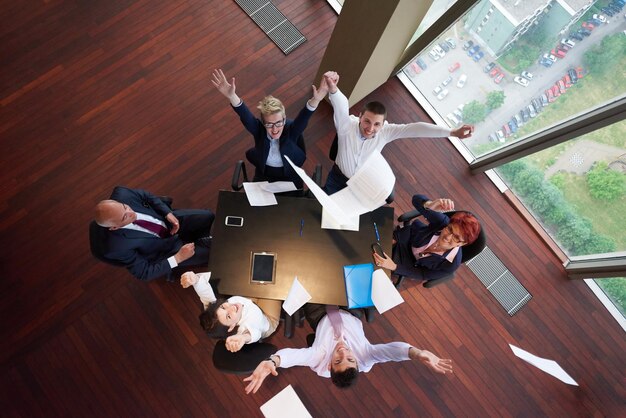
<point x="234" y="221"/>
<point x="378" y="249"/>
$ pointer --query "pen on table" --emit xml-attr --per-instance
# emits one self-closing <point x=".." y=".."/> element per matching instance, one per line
<point x="301" y="226"/>
<point x="376" y="231"/>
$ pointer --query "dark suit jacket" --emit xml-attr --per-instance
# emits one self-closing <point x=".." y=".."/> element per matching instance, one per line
<point x="419" y="234"/>
<point x="288" y="139"/>
<point x="143" y="254"/>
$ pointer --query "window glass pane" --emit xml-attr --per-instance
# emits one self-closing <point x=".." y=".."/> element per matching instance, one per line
<point x="436" y="10"/>
<point x="577" y="190"/>
<point x="615" y="290"/>
<point x="498" y="79"/>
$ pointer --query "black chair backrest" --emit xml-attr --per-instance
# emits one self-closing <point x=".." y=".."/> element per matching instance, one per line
<point x="472" y="250"/>
<point x="97" y="239"/>
<point x="243" y="361"/>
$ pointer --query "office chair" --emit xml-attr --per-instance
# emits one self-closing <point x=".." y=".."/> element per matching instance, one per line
<point x="243" y="361"/>
<point x="292" y="321"/>
<point x="469" y="251"/>
<point x="332" y="154"/>
<point x="240" y="174"/>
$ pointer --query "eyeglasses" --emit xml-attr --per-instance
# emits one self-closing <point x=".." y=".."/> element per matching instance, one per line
<point x="278" y="124"/>
<point x="456" y="237"/>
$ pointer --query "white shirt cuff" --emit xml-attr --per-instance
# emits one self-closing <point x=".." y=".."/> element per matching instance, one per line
<point x="172" y="262"/>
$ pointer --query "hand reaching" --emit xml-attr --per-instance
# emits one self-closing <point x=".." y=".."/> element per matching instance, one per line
<point x="431" y="361"/>
<point x="462" y="132"/>
<point x="235" y="342"/>
<point x="188" y="278"/>
<point x="258" y="376"/>
<point x="385" y="262"/>
<point x="223" y="86"/>
<point x="332" y="78"/>
<point x="441" y="205"/>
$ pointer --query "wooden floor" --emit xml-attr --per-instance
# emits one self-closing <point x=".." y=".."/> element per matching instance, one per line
<point x="96" y="94"/>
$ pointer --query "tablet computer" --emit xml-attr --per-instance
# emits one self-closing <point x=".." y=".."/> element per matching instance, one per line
<point x="262" y="267"/>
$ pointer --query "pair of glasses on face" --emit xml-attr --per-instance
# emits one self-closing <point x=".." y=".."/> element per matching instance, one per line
<point x="456" y="237"/>
<point x="278" y="124"/>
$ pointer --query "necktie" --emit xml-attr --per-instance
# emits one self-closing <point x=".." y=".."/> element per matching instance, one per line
<point x="161" y="231"/>
<point x="335" y="320"/>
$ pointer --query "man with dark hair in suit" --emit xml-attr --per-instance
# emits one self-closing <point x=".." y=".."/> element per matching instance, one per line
<point x="142" y="233"/>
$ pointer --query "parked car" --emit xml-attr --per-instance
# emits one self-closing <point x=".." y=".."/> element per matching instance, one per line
<point x="564" y="47"/>
<point x="467" y="45"/>
<point x="512" y="125"/>
<point x="454" y="67"/>
<point x="521" y="81"/>
<point x="558" y="52"/>
<point x="473" y="50"/>
<point x="518" y="120"/>
<point x="528" y="76"/>
<point x="420" y="61"/>
<point x="444" y="46"/>
<point x="544" y="100"/>
<point x="443" y="94"/>
<point x="537" y="105"/>
<point x="555" y="91"/>
<point x="451" y="43"/>
<point x="546" y="62"/>
<point x="494" y="72"/>
<point x="500" y="135"/>
<point x="437" y="90"/>
<point x="601" y="18"/>
<point x="550" y="57"/>
<point x="459" y="113"/>
<point x="435" y="56"/>
<point x="595" y="22"/>
<point x="414" y="69"/>
<point x="576" y="35"/>
<point x="497" y="79"/>
<point x="461" y="81"/>
<point x="452" y="119"/>
<point x="572" y="74"/>
<point x="507" y="131"/>
<point x="561" y="85"/>
<point x="492" y="137"/>
<point x="489" y="67"/>
<point x="568" y="42"/>
<point x="607" y="11"/>
<point x="524" y="114"/>
<point x="588" y="26"/>
<point x="579" y="72"/>
<point x="550" y="96"/>
<point x="446" y="81"/>
<point x="567" y="80"/>
<point x="478" y="56"/>
<point x="531" y="111"/>
<point x="584" y="32"/>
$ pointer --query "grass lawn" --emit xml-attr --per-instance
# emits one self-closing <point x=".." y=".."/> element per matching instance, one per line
<point x="607" y="217"/>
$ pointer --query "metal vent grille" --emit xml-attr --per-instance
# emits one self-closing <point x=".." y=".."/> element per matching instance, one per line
<point x="500" y="282"/>
<point x="275" y="25"/>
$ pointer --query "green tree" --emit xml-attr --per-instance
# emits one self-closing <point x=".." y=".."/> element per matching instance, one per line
<point x="611" y="50"/>
<point x="495" y="99"/>
<point x="605" y="184"/>
<point x="474" y="112"/>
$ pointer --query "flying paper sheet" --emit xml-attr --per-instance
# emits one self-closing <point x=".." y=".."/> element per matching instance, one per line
<point x="257" y="196"/>
<point x="279" y="186"/>
<point x="549" y="366"/>
<point x="286" y="404"/>
<point x="384" y="294"/>
<point x="296" y="298"/>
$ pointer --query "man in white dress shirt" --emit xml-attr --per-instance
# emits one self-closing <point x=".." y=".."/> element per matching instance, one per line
<point x="341" y="350"/>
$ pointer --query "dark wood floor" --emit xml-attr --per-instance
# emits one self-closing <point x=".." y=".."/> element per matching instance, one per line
<point x="96" y="94"/>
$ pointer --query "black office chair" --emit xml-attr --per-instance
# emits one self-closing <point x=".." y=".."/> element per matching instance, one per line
<point x="98" y="237"/>
<point x="292" y="321"/>
<point x="469" y="251"/>
<point x="332" y="154"/>
<point x="243" y="361"/>
<point x="240" y="174"/>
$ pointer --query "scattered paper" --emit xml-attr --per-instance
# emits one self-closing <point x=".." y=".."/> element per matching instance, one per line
<point x="279" y="186"/>
<point x="296" y="298"/>
<point x="549" y="366"/>
<point x="384" y="294"/>
<point x="257" y="196"/>
<point x="328" y="222"/>
<point x="286" y="404"/>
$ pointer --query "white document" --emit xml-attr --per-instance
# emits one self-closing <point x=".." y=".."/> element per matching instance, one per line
<point x="257" y="196"/>
<point x="336" y="212"/>
<point x="549" y="366"/>
<point x="384" y="294"/>
<point x="286" y="404"/>
<point x="296" y="298"/>
<point x="328" y="222"/>
<point x="279" y="186"/>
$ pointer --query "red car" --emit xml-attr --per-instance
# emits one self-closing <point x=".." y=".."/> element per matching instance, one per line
<point x="555" y="91"/>
<point x="558" y="53"/>
<point x="494" y="72"/>
<point x="551" y="97"/>
<point x="561" y="85"/>
<point x="498" y="78"/>
<point x="454" y="67"/>
<point x="567" y="81"/>
<point x="579" y="72"/>
<point x="416" y="68"/>
<point x="588" y="26"/>
<point x="507" y="130"/>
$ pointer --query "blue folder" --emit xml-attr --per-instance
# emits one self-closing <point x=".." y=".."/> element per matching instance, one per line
<point x="359" y="285"/>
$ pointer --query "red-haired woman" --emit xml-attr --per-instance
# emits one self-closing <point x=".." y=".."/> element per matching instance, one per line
<point x="431" y="251"/>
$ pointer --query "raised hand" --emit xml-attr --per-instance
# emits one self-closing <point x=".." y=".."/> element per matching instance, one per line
<point x="332" y="78"/>
<point x="433" y="362"/>
<point x="258" y="376"/>
<point x="223" y="86"/>
<point x="188" y="278"/>
<point x="441" y="205"/>
<point x="463" y="131"/>
<point x="235" y="342"/>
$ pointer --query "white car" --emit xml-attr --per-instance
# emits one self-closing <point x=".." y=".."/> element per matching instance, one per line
<point x="531" y="110"/>
<point x="437" y="90"/>
<point x="550" y="57"/>
<point x="461" y="81"/>
<point x="600" y="18"/>
<point x="568" y="42"/>
<point x="500" y="135"/>
<point x="439" y="51"/>
<point x="453" y="119"/>
<point x="433" y="55"/>
<point x="446" y="81"/>
<point x="443" y="94"/>
<point x="521" y="81"/>
<point x="528" y="76"/>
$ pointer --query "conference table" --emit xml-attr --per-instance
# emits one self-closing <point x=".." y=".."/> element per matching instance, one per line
<point x="292" y="230"/>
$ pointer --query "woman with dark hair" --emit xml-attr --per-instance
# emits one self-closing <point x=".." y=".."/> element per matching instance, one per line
<point x="434" y="250"/>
